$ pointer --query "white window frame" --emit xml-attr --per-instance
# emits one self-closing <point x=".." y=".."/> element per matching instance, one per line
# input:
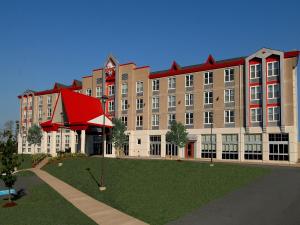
<point x="111" y="106"/>
<point x="49" y="112"/>
<point x="49" y="100"/>
<point x="189" y="80"/>
<point x="155" y="120"/>
<point x="207" y="99"/>
<point x="256" y="110"/>
<point x="88" y="92"/>
<point x="124" y="104"/>
<point x="139" y="121"/>
<point x="189" y="99"/>
<point x="273" y="69"/>
<point x="40" y="113"/>
<point x="40" y="100"/>
<point x="208" y="117"/>
<point x="124" y="88"/>
<point x="171" y="83"/>
<point x="189" y="118"/>
<point x="208" y="78"/>
<point x="139" y="103"/>
<point x="98" y="92"/>
<point x="257" y="93"/>
<point x="155" y="85"/>
<point x="273" y="95"/>
<point x="229" y="116"/>
<point x="170" y="118"/>
<point x="230" y="76"/>
<point x="272" y="114"/>
<point x="257" y="73"/>
<point x="171" y="101"/>
<point x="124" y="120"/>
<point x="155" y="102"/>
<point x="139" y="87"/>
<point x="230" y="96"/>
<point x="111" y="90"/>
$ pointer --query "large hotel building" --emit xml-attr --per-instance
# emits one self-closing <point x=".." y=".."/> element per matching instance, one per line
<point x="240" y="109"/>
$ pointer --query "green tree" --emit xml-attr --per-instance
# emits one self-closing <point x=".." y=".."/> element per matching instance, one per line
<point x="9" y="162"/>
<point x="177" y="135"/>
<point x="119" y="138"/>
<point x="7" y="131"/>
<point x="34" y="136"/>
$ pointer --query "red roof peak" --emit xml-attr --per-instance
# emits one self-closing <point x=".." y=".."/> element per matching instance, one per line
<point x="210" y="60"/>
<point x="175" y="66"/>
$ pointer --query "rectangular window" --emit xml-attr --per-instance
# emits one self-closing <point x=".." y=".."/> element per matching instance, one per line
<point x="139" y="87"/>
<point x="256" y="114"/>
<point x="255" y="71"/>
<point x="139" y="121"/>
<point x="67" y="141"/>
<point x="230" y="146"/>
<point x="255" y="92"/>
<point x="88" y="92"/>
<point x="124" y="88"/>
<point x="49" y="112"/>
<point x="208" y="117"/>
<point x="171" y="82"/>
<point x="253" y="147"/>
<point x="171" y="118"/>
<point x="155" y="145"/>
<point x="229" y="95"/>
<point x="124" y="120"/>
<point x="40" y="100"/>
<point x="189" y="99"/>
<point x="229" y="116"/>
<point x="111" y="90"/>
<point x="139" y="103"/>
<point x="111" y="106"/>
<point x="229" y="75"/>
<point x="189" y="118"/>
<point x="171" y="101"/>
<point x="273" y="69"/>
<point x="49" y="100"/>
<point x="155" y="120"/>
<point x="155" y="85"/>
<point x="208" y="77"/>
<point x="98" y="92"/>
<point x="189" y="80"/>
<point x="171" y="149"/>
<point x="273" y="91"/>
<point x="124" y="104"/>
<point x="279" y="147"/>
<point x="40" y="113"/>
<point x="155" y="102"/>
<point x="208" y="146"/>
<point x="274" y="113"/>
<point x="208" y="97"/>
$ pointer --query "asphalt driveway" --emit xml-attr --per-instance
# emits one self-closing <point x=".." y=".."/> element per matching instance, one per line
<point x="273" y="200"/>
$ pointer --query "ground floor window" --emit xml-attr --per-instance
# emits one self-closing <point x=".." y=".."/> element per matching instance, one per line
<point x="155" y="145"/>
<point x="39" y="148"/>
<point x="171" y="149"/>
<point x="253" y="147"/>
<point x="279" y="147"/>
<point x="108" y="145"/>
<point x="48" y="143"/>
<point x="126" y="146"/>
<point x="230" y="146"/>
<point x="208" y="146"/>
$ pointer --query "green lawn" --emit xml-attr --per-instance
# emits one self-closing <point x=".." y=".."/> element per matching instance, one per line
<point x="25" y="161"/>
<point x="156" y="191"/>
<point x="42" y="205"/>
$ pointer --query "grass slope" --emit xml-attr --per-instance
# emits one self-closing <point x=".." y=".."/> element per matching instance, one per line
<point x="155" y="191"/>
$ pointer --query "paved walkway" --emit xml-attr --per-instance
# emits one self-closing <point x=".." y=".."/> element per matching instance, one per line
<point x="273" y="199"/>
<point x="97" y="211"/>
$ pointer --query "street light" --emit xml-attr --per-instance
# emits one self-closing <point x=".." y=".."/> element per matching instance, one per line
<point x="102" y="186"/>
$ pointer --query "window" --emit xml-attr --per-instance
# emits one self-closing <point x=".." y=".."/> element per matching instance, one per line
<point x="189" y="118"/>
<point x="208" y="146"/>
<point x="255" y="92"/>
<point x="273" y="69"/>
<point x="279" y="146"/>
<point x="208" y="117"/>
<point x="208" y="97"/>
<point x="274" y="113"/>
<point x="171" y="101"/>
<point x="49" y="100"/>
<point x="171" y="82"/>
<point x="124" y="120"/>
<point x="49" y="112"/>
<point x="67" y="141"/>
<point x="171" y="118"/>
<point x="229" y="95"/>
<point x="228" y="75"/>
<point x="48" y="142"/>
<point x="255" y="71"/>
<point x="230" y="146"/>
<point x="155" y="85"/>
<point x="273" y="91"/>
<point x="155" y="145"/>
<point x="98" y="92"/>
<point x="155" y="120"/>
<point x="256" y="114"/>
<point x="189" y="99"/>
<point x="40" y="100"/>
<point x="155" y="102"/>
<point x="40" y="113"/>
<point x="30" y="102"/>
<point x="139" y="103"/>
<point x="111" y="106"/>
<point x="139" y="121"/>
<point x="111" y="90"/>
<point x="57" y="143"/>
<point x="88" y="92"/>
<point x="208" y="77"/>
<point x="171" y="149"/>
<point x="124" y="104"/>
<point x="229" y="116"/>
<point x="189" y="80"/>
<point x="124" y="88"/>
<point x="139" y="141"/>
<point x="253" y="147"/>
<point x="139" y="87"/>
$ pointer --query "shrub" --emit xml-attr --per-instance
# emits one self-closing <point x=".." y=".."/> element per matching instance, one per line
<point x="36" y="158"/>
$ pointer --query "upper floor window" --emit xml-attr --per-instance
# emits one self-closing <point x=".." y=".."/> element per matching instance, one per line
<point x="229" y="95"/>
<point x="155" y="102"/>
<point x="273" y="91"/>
<point x="111" y="106"/>
<point x="98" y="92"/>
<point x="208" y="117"/>
<point x="124" y="104"/>
<point x="155" y="120"/>
<point x="49" y="100"/>
<point x="255" y="92"/>
<point x="88" y="92"/>
<point x="49" y="112"/>
<point x="208" y="77"/>
<point x="189" y="118"/>
<point x="40" y="113"/>
<point x="124" y="88"/>
<point x="171" y="101"/>
<point x="171" y="118"/>
<point x="40" y="100"/>
<point x="111" y="90"/>
<point x="139" y="121"/>
<point x="256" y="114"/>
<point x="274" y="113"/>
<point x="229" y="75"/>
<point x="155" y="85"/>
<point x="139" y="103"/>
<point x="229" y="116"/>
<point x="139" y="87"/>
<point x="189" y="80"/>
<point x="189" y="99"/>
<point x="208" y="97"/>
<point x="171" y="82"/>
<point x="124" y="120"/>
<point x="255" y="71"/>
<point x="273" y="68"/>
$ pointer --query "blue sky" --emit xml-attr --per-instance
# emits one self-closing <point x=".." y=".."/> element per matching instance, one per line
<point x="42" y="42"/>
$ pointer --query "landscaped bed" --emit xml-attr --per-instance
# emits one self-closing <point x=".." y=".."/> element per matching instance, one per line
<point x="155" y="191"/>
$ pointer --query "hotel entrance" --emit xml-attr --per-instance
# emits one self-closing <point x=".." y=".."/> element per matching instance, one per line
<point x="189" y="150"/>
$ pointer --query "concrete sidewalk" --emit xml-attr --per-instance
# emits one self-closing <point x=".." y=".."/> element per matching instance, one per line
<point x="97" y="211"/>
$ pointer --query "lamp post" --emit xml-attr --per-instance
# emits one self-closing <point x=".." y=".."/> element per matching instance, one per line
<point x="102" y="185"/>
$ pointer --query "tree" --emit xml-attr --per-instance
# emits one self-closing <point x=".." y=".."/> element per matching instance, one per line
<point x="119" y="138"/>
<point x="177" y="135"/>
<point x="9" y="162"/>
<point x="34" y="136"/>
<point x="8" y="131"/>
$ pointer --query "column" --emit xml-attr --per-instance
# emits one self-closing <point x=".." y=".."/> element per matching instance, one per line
<point x="163" y="146"/>
<point x="19" y="144"/>
<point x="44" y="143"/>
<point x="72" y="141"/>
<point x="82" y="143"/>
<point x="265" y="143"/>
<point x="181" y="152"/>
<point x="219" y="146"/>
<point x="241" y="146"/>
<point x="198" y="147"/>
<point x="53" y="143"/>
